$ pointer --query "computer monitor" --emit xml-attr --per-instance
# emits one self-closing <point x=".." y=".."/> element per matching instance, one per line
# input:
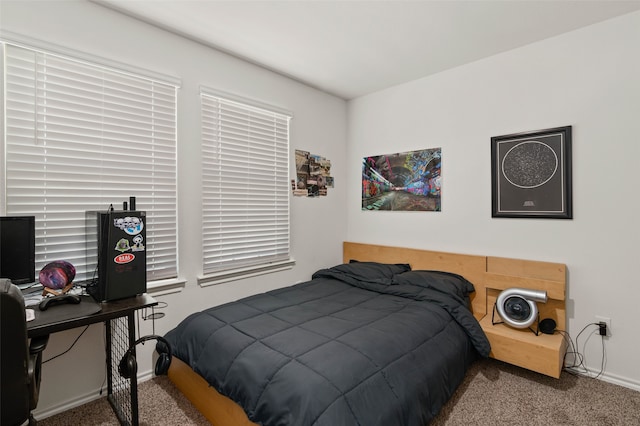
<point x="18" y="248"/>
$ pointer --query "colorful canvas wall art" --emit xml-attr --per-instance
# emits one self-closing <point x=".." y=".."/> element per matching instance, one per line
<point x="407" y="181"/>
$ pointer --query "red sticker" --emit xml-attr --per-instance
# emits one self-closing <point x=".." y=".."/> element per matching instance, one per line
<point x="124" y="258"/>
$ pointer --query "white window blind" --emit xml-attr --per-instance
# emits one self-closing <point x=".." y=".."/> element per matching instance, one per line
<point x="245" y="185"/>
<point x="80" y="137"/>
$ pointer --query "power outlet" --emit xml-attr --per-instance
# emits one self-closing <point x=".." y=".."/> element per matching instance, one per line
<point x="606" y="321"/>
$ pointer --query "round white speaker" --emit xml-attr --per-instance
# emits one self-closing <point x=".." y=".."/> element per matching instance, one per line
<point x="517" y="306"/>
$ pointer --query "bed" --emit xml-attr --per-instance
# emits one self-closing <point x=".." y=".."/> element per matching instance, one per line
<point x="384" y="338"/>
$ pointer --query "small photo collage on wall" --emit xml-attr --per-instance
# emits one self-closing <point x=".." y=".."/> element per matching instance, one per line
<point x="313" y="175"/>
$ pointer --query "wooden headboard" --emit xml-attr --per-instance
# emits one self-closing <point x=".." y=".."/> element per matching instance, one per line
<point x="488" y="274"/>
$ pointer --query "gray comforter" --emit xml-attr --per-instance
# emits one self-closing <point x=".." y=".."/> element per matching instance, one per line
<point x="360" y="344"/>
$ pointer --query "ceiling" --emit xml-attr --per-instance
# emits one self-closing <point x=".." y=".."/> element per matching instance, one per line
<point x="352" y="48"/>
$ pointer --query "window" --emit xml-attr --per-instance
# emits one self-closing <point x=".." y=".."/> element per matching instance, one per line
<point x="81" y="136"/>
<point x="245" y="186"/>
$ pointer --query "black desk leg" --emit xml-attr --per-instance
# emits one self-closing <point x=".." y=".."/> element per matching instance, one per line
<point x="122" y="392"/>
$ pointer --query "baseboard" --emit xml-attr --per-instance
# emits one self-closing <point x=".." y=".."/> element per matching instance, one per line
<point x="45" y="412"/>
<point x="609" y="378"/>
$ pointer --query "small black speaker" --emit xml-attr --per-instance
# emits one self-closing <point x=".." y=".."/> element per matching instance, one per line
<point x="547" y="326"/>
<point x="128" y="367"/>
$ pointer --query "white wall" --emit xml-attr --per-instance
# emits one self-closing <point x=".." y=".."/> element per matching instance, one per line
<point x="319" y="125"/>
<point x="589" y="79"/>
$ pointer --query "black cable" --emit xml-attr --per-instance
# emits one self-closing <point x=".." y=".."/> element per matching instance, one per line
<point x="580" y="355"/>
<point x="603" y="359"/>
<point x="602" y="362"/>
<point x="570" y="348"/>
<point x="579" y="358"/>
<point x="70" y="347"/>
<point x="583" y="329"/>
<point x="584" y="346"/>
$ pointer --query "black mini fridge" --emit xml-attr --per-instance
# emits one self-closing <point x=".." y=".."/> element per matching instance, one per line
<point x="116" y="254"/>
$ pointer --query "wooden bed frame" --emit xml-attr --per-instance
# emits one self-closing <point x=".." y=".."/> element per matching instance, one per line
<point x="542" y="353"/>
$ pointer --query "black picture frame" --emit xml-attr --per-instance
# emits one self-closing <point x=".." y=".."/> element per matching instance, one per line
<point x="531" y="174"/>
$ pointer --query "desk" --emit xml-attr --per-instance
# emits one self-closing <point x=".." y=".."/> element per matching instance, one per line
<point x="118" y="317"/>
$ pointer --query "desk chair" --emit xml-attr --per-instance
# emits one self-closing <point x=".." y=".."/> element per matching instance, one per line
<point x="20" y="366"/>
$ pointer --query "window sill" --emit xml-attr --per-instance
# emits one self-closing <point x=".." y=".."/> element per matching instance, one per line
<point x="239" y="274"/>
<point x="168" y="286"/>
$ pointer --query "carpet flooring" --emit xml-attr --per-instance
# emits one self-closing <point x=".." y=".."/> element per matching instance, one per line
<point x="492" y="394"/>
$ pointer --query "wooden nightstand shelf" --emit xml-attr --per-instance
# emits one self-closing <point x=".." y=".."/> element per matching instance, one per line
<point x="543" y="353"/>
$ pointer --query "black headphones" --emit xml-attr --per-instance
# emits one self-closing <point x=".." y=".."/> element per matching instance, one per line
<point x="128" y="366"/>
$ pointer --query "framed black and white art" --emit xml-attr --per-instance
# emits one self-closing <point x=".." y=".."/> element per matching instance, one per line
<point x="531" y="174"/>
